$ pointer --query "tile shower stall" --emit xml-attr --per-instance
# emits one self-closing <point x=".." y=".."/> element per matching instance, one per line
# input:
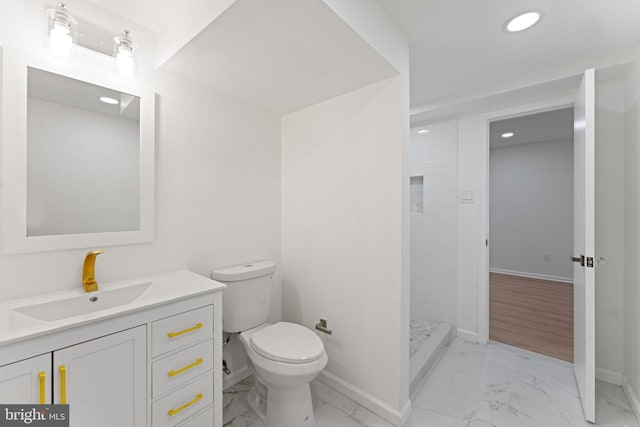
<point x="433" y="158"/>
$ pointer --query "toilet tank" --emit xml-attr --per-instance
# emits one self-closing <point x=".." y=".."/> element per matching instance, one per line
<point x="247" y="299"/>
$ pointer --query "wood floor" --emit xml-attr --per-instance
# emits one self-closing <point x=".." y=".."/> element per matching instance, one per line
<point x="532" y="314"/>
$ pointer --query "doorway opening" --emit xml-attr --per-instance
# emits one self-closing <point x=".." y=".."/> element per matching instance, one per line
<point x="531" y="232"/>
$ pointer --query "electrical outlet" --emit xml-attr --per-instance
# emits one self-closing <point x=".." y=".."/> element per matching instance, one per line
<point x="547" y="257"/>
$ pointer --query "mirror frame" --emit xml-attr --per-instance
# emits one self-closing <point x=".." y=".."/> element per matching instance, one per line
<point x="14" y="154"/>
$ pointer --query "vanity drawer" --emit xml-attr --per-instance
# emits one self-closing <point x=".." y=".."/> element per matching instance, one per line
<point x="180" y="368"/>
<point x="183" y="403"/>
<point x="180" y="330"/>
<point x="204" y="419"/>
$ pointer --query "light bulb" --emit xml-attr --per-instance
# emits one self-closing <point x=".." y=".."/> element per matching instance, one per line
<point x="125" y="63"/>
<point x="61" y="31"/>
<point x="60" y="42"/>
<point x="123" y="51"/>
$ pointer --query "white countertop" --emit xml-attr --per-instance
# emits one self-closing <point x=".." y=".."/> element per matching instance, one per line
<point x="164" y="288"/>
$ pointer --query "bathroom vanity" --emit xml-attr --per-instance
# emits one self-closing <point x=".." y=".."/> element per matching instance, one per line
<point x="143" y="352"/>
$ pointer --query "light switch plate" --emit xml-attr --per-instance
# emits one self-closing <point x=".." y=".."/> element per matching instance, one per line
<point x="467" y="196"/>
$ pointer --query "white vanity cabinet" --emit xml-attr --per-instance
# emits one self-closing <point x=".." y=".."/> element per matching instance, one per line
<point x="26" y="381"/>
<point x="157" y="365"/>
<point x="104" y="380"/>
<point x="182" y="373"/>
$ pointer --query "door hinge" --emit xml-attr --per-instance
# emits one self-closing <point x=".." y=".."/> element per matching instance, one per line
<point x="590" y="261"/>
<point x="486" y="242"/>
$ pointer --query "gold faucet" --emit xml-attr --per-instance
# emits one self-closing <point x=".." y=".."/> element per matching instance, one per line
<point x="89" y="283"/>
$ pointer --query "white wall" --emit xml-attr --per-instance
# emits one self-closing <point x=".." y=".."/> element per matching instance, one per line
<point x="632" y="236"/>
<point x="531" y="208"/>
<point x="434" y="232"/>
<point x="217" y="189"/>
<point x="341" y="233"/>
<point x="609" y="231"/>
<point x="470" y="241"/>
<point x="372" y="22"/>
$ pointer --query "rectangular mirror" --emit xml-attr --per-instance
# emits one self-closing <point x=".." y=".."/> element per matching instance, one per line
<point x="83" y="157"/>
<point x="78" y="157"/>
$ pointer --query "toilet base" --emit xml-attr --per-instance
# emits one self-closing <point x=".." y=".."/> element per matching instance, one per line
<point x="289" y="407"/>
<point x="283" y="407"/>
<point x="258" y="405"/>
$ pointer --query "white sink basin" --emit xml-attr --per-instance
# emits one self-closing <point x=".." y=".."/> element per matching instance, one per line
<point x="86" y="303"/>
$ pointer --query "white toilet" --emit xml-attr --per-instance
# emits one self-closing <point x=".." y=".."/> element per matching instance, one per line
<point x="283" y="357"/>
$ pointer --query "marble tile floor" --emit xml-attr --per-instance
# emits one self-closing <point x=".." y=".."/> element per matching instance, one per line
<point x="501" y="386"/>
<point x="332" y="409"/>
<point x="472" y="386"/>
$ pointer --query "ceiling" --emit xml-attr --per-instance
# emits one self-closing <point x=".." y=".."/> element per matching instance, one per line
<point x="554" y="125"/>
<point x="280" y="55"/>
<point x="459" y="50"/>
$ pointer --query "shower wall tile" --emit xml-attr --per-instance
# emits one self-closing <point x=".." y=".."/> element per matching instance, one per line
<point x="434" y="157"/>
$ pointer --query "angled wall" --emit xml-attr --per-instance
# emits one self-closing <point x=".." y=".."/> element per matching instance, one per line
<point x="341" y="233"/>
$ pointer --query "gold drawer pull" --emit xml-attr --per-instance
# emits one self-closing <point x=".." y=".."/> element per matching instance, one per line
<point x="63" y="384"/>
<point x="42" y="388"/>
<point x="172" y="412"/>
<point x="181" y="370"/>
<point x="193" y="328"/>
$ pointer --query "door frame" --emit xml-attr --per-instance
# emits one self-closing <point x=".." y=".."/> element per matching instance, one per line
<point x="483" y="195"/>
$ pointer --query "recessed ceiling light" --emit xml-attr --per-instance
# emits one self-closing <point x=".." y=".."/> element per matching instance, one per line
<point x="423" y="131"/>
<point x="522" y="21"/>
<point x="507" y="134"/>
<point x="108" y="100"/>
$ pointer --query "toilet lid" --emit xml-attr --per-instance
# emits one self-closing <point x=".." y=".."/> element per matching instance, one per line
<point x="287" y="342"/>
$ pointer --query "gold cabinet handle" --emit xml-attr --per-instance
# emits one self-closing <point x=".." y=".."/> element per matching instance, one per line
<point x="193" y="328"/>
<point x="172" y="412"/>
<point x="63" y="385"/>
<point x="42" y="395"/>
<point x="186" y="368"/>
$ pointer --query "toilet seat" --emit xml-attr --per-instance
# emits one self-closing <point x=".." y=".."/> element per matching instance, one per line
<point x="288" y="343"/>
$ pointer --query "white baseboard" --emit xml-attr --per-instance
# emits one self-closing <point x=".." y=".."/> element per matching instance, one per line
<point x="609" y="376"/>
<point x="632" y="396"/>
<point x="235" y="377"/>
<point x="532" y="275"/>
<point x="372" y="403"/>
<point x="405" y="412"/>
<point x="468" y="335"/>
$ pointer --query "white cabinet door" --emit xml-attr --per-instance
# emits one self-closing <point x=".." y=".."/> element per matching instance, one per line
<point x="27" y="381"/>
<point x="104" y="380"/>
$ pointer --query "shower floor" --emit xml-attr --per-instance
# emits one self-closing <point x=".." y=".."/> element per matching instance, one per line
<point x="427" y="341"/>
<point x="421" y="330"/>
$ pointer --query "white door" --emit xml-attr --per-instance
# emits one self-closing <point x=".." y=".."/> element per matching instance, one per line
<point x="584" y="340"/>
<point x="104" y="381"/>
<point x="27" y="381"/>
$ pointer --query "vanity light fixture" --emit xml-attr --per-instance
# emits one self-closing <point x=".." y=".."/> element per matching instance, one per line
<point x="62" y="31"/>
<point x="123" y="52"/>
<point x="108" y="100"/>
<point x="507" y="134"/>
<point x="423" y="131"/>
<point x="522" y="21"/>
